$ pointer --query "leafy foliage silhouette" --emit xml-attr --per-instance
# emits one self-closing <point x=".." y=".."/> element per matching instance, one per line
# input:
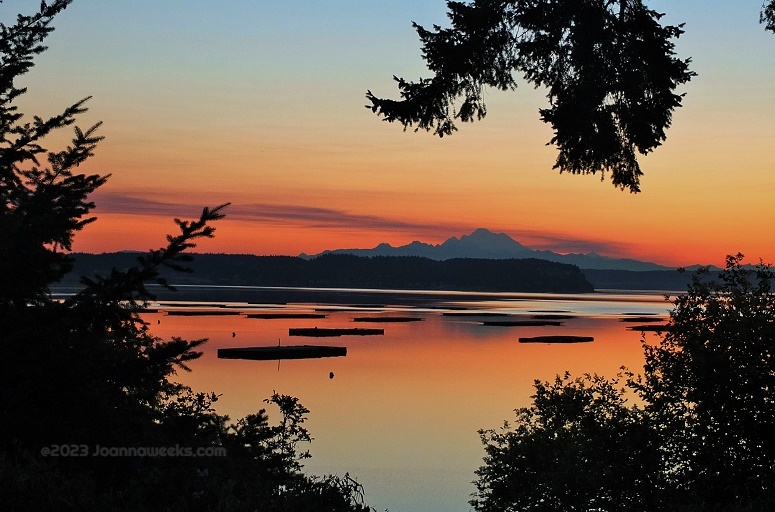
<point x="697" y="438"/>
<point x="609" y="68"/>
<point x="578" y="447"/>
<point x="709" y="383"/>
<point x="767" y="15"/>
<point x="86" y="371"/>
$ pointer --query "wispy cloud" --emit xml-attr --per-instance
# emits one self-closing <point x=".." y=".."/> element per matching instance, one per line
<point x="564" y="243"/>
<point x="111" y="202"/>
<point x="307" y="216"/>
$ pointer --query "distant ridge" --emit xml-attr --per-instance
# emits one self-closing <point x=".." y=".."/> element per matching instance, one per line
<point x="484" y="244"/>
<point x="349" y="271"/>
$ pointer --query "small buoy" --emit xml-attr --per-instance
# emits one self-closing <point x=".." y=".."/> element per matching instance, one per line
<point x="158" y="322"/>
<point x="233" y="334"/>
<point x="330" y="375"/>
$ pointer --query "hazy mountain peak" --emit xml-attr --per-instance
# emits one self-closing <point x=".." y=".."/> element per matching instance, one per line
<point x="485" y="244"/>
<point x="485" y="233"/>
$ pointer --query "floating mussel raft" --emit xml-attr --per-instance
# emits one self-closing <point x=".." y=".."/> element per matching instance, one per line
<point x="282" y="352"/>
<point x="557" y="339"/>
<point x="316" y="332"/>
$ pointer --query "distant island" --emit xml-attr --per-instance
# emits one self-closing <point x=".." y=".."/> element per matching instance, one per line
<point x="349" y="271"/>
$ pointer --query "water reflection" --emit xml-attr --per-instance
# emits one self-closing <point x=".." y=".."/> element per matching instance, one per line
<point x="403" y="412"/>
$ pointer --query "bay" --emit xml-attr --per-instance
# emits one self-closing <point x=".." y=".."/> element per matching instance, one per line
<point x="402" y="411"/>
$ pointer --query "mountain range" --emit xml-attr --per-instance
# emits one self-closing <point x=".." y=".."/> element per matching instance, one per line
<point x="483" y="243"/>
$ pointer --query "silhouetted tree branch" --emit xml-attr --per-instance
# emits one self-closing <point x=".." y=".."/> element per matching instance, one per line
<point x="767" y="15"/>
<point x="86" y="371"/>
<point x="609" y="67"/>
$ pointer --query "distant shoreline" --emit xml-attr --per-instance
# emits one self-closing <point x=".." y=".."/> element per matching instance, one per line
<point x="364" y="297"/>
<point x="393" y="273"/>
<point x="344" y="271"/>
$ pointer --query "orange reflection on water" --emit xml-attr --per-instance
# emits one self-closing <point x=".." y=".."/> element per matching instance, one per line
<point x="408" y="402"/>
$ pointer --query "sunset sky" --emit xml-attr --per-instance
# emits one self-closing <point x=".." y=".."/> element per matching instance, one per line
<point x="261" y="103"/>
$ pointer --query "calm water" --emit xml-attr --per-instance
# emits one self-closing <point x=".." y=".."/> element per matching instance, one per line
<point x="402" y="412"/>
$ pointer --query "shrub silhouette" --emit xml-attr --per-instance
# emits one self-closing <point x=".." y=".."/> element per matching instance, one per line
<point x="697" y="437"/>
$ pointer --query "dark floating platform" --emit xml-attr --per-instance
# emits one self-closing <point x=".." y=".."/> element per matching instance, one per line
<point x="641" y="319"/>
<point x="278" y="352"/>
<point x="272" y="316"/>
<point x="557" y="339"/>
<point x="320" y="333"/>
<point x="450" y="307"/>
<point x="381" y="319"/>
<point x="346" y="309"/>
<point x="472" y="313"/>
<point x="650" y="327"/>
<point x="550" y="311"/>
<point x="218" y="312"/>
<point x="521" y="323"/>
<point x="553" y="317"/>
<point x="189" y="305"/>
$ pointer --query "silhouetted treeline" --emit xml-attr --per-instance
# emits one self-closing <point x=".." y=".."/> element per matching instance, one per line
<point x="347" y="271"/>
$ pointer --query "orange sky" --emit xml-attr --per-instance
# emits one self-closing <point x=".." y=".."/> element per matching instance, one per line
<point x="261" y="105"/>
